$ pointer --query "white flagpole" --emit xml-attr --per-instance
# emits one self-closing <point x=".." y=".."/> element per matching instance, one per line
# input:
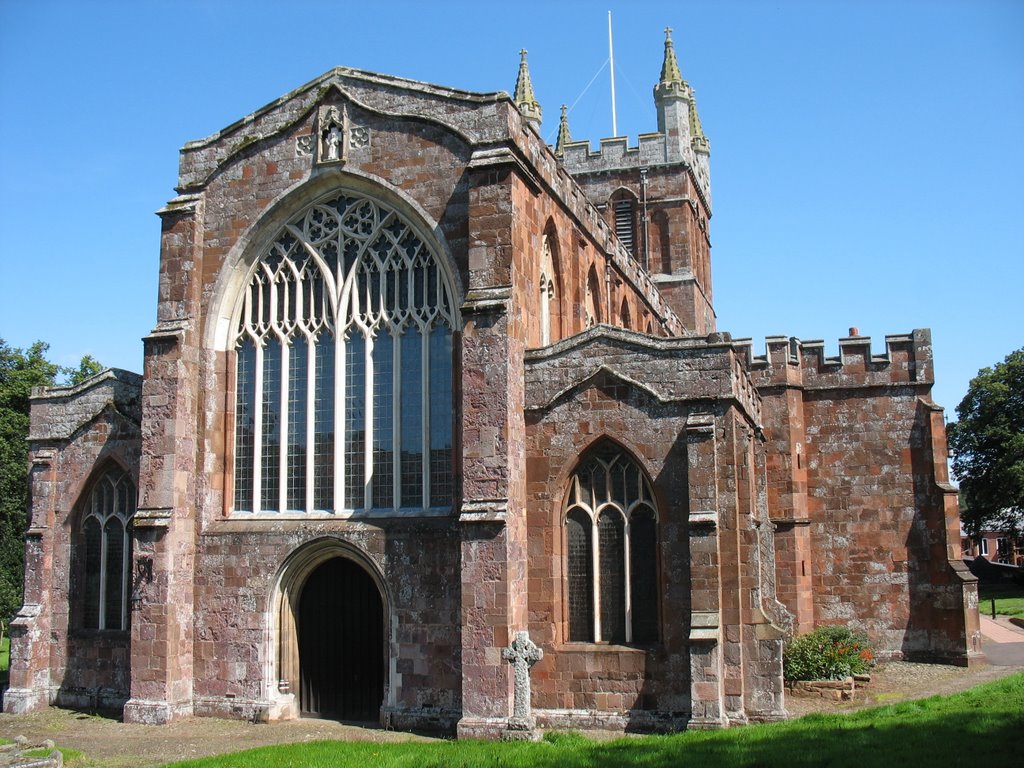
<point x="611" y="61"/>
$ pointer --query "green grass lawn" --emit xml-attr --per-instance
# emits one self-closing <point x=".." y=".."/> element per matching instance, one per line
<point x="5" y="659"/>
<point x="941" y="731"/>
<point x="1009" y="601"/>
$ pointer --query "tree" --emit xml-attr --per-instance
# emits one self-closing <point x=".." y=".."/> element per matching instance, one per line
<point x="20" y="371"/>
<point x="987" y="442"/>
<point x="88" y="367"/>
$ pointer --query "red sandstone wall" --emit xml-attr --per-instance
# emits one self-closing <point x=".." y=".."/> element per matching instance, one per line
<point x="858" y="487"/>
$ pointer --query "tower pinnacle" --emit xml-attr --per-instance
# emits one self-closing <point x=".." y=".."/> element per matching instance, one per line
<point x="670" y="66"/>
<point x="524" y="98"/>
<point x="676" y="104"/>
<point x="564" y="137"/>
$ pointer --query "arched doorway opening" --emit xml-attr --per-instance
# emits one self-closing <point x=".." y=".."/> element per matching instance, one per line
<point x="341" y="643"/>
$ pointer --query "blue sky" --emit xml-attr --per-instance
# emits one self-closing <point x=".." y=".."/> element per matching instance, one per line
<point x="867" y="157"/>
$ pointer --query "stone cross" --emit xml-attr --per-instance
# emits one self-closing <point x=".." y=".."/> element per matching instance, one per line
<point x="522" y="654"/>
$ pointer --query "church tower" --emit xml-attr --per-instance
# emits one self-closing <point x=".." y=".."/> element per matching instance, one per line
<point x="656" y="196"/>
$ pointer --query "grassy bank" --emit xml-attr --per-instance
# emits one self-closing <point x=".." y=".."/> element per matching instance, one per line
<point x="1009" y="601"/>
<point x="941" y="731"/>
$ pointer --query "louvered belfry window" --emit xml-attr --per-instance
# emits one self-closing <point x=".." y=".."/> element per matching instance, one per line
<point x="611" y="550"/>
<point x="625" y="227"/>
<point x="344" y="367"/>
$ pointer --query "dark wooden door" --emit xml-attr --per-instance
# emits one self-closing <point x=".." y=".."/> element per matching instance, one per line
<point x="341" y="643"/>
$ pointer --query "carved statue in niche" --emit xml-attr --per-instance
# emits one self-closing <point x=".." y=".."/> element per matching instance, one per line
<point x="332" y="135"/>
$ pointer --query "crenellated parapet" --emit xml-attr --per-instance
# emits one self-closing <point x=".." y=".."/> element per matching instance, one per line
<point x="615" y="154"/>
<point x="652" y="150"/>
<point x="787" y="361"/>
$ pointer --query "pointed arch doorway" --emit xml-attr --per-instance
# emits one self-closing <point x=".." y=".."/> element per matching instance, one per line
<point x="340" y="623"/>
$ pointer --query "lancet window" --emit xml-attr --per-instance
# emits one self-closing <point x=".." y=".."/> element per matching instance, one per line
<point x="107" y="552"/>
<point x="344" y="367"/>
<point x="547" y="290"/>
<point x="611" y="548"/>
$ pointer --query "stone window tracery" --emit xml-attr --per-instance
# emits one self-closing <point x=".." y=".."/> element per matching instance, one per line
<point x="611" y="550"/>
<point x="344" y="367"/>
<point x="106" y="552"/>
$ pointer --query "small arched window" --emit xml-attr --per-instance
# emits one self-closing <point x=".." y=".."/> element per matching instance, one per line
<point x="611" y="550"/>
<point x="625" y="317"/>
<point x="593" y="298"/>
<point x="344" y="367"/>
<point x="546" y="299"/>
<point x="106" y="551"/>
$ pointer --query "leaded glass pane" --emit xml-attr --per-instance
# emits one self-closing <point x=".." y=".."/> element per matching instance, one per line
<point x="93" y="562"/>
<point x="323" y="425"/>
<point x="580" y="577"/>
<point x="113" y="532"/>
<point x="355" y="421"/>
<point x="411" y="410"/>
<point x="298" y="371"/>
<point x="244" y="424"/>
<point x="613" y="576"/>
<point x="270" y="445"/>
<point x="644" y="582"/>
<point x="440" y="417"/>
<point x="383" y="422"/>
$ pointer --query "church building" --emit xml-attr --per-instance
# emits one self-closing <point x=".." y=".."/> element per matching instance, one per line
<point x="437" y="430"/>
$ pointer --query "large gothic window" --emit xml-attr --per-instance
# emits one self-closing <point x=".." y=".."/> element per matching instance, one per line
<point x="106" y="551"/>
<point x="611" y="550"/>
<point x="344" y="367"/>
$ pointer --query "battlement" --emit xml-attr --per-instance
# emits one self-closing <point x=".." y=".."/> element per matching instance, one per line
<point x="615" y="154"/>
<point x="788" y="361"/>
<point x="652" y="149"/>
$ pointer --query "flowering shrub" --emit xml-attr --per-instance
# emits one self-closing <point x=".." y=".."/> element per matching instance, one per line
<point x="827" y="653"/>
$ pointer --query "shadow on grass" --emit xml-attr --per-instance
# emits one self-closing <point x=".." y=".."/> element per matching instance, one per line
<point x="949" y="731"/>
